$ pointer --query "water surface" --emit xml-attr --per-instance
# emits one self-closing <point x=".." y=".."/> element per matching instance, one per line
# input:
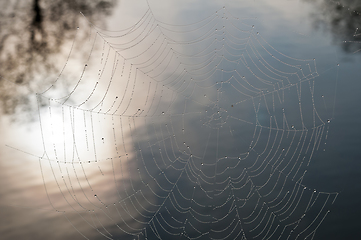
<point x="189" y="120"/>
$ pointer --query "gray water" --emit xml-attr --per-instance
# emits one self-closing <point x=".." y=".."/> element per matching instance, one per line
<point x="91" y="150"/>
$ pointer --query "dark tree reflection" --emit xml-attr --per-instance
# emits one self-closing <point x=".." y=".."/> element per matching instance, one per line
<point x="33" y="34"/>
<point x="343" y="18"/>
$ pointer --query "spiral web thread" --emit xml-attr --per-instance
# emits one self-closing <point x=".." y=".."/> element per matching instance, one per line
<point x="198" y="131"/>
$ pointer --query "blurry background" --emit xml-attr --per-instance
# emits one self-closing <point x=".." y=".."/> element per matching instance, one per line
<point x="40" y="43"/>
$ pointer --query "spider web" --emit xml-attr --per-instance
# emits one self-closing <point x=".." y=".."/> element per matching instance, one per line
<point x="195" y="131"/>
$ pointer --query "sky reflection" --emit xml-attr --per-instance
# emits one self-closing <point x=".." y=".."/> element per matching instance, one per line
<point x="131" y="133"/>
